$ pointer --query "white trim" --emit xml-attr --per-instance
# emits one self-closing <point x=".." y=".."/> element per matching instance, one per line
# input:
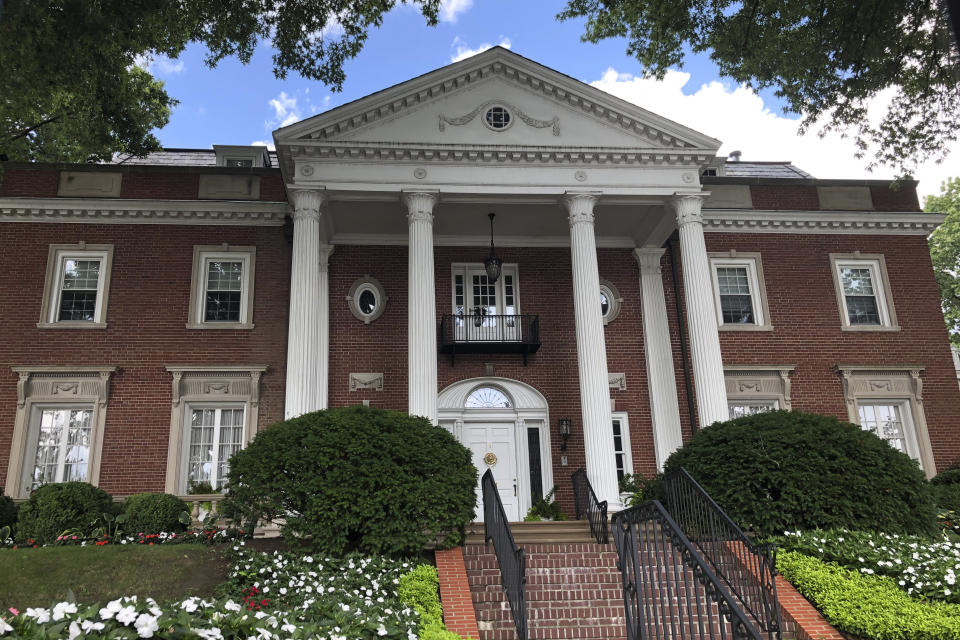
<point x="183" y="483"/>
<point x="114" y="211"/>
<point x="905" y="409"/>
<point x="624" y="440"/>
<point x="882" y="293"/>
<point x="400" y="240"/>
<point x="57" y="254"/>
<point x="758" y="301"/>
<point x="909" y="223"/>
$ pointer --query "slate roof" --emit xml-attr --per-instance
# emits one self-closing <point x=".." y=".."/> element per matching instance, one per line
<point x="180" y="158"/>
<point x="764" y="170"/>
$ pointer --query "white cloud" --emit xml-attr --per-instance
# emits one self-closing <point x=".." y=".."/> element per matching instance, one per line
<point x="739" y="118"/>
<point x="462" y="50"/>
<point x="450" y="10"/>
<point x="285" y="110"/>
<point x="159" y="65"/>
<point x="264" y="143"/>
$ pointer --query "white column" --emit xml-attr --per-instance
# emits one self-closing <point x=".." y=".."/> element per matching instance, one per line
<point x="661" y="379"/>
<point x="323" y="341"/>
<point x="421" y="307"/>
<point x="711" y="392"/>
<point x="591" y="350"/>
<point x="303" y="336"/>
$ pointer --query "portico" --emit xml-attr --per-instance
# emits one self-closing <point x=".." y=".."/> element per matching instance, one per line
<point x="418" y="166"/>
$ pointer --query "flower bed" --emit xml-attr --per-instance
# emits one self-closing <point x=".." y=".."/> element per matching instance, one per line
<point x="923" y="568"/>
<point x="869" y="606"/>
<point x="265" y="597"/>
<point x="213" y="535"/>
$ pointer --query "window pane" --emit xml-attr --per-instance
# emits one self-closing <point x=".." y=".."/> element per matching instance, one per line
<point x="733" y="287"/>
<point x="77" y="451"/>
<point x="224" y="291"/>
<point x="741" y="409"/>
<point x="200" y="464"/>
<point x="536" y="474"/>
<point x="619" y="450"/>
<point x="862" y="310"/>
<point x="77" y="305"/>
<point x="856" y="281"/>
<point x="367" y="302"/>
<point x="63" y="446"/>
<point x="733" y="281"/>
<point x="604" y="303"/>
<point x="487" y="398"/>
<point x="81" y="274"/>
<point x="736" y="309"/>
<point x="884" y="420"/>
<point x="224" y="275"/>
<point x="231" y="440"/>
<point x="52" y="424"/>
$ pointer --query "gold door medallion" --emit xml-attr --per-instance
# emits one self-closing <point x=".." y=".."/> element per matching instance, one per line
<point x="490" y="459"/>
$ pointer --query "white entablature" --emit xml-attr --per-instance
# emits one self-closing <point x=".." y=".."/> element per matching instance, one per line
<point x="472" y="126"/>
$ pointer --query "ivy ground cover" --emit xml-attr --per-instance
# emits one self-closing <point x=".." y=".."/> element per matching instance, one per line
<point x="266" y="597"/>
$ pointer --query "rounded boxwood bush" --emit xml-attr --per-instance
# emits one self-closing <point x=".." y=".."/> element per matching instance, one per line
<point x="8" y="512"/>
<point x="153" y="513"/>
<point x="786" y="470"/>
<point x="55" y="508"/>
<point x="356" y="479"/>
<point x="946" y="487"/>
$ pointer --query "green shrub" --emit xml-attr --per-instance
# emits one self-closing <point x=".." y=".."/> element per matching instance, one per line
<point x="56" y="508"/>
<point x="419" y="589"/>
<point x="946" y="487"/>
<point x="546" y="508"/>
<point x="870" y="607"/>
<point x="356" y="479"/>
<point x="8" y="512"/>
<point x="779" y="471"/>
<point x="641" y="488"/>
<point x="153" y="513"/>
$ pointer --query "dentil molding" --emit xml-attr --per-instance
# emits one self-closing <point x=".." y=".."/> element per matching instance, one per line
<point x="138" y="211"/>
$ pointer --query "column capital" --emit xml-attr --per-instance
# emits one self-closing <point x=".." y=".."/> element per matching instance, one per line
<point x="420" y="205"/>
<point x="648" y="258"/>
<point x="307" y="202"/>
<point x="688" y="208"/>
<point x="579" y="206"/>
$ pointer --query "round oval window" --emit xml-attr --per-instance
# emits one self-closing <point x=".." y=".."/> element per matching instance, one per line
<point x="604" y="303"/>
<point x="367" y="302"/>
<point x="497" y="118"/>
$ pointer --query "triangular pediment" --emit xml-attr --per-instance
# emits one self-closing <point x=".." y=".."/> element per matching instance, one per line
<point x="452" y="106"/>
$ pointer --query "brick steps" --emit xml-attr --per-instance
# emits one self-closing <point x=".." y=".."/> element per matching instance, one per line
<point x="544" y="532"/>
<point x="573" y="591"/>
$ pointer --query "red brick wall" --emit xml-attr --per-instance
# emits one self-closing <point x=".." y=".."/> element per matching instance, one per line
<point x="147" y="311"/>
<point x="888" y="199"/>
<point x="806" y="321"/>
<point x="159" y="185"/>
<point x="800" y="197"/>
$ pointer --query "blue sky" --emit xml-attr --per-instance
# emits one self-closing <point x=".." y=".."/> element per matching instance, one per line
<point x="237" y="104"/>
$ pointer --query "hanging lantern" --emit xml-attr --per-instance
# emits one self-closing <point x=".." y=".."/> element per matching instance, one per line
<point x="493" y="263"/>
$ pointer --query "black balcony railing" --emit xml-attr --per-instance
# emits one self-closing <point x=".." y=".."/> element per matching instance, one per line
<point x="669" y="590"/>
<point x="748" y="570"/>
<point x="586" y="503"/>
<point x="512" y="561"/>
<point x="490" y="333"/>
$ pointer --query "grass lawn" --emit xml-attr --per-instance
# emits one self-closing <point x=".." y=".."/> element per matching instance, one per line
<point x="40" y="577"/>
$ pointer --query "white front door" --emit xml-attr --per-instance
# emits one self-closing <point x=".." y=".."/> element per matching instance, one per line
<point x="494" y="447"/>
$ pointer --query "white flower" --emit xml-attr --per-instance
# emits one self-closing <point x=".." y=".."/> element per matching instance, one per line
<point x="127" y="615"/>
<point x="308" y="559"/>
<point x="209" y="634"/>
<point x="6" y="628"/>
<point x="345" y="607"/>
<point x="146" y="625"/>
<point x="381" y="630"/>
<point x="61" y="609"/>
<point x="41" y="615"/>
<point x="88" y="626"/>
<point x="110" y="610"/>
<point x="189" y="605"/>
<point x="288" y="628"/>
<point x="74" y="630"/>
<point x="230" y="605"/>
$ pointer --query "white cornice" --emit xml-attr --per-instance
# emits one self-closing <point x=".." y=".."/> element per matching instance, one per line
<point x="822" y="222"/>
<point x="494" y="154"/>
<point x="118" y="211"/>
<point x="511" y="66"/>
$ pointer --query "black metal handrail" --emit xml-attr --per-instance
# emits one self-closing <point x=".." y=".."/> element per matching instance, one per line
<point x="748" y="569"/>
<point x="586" y="503"/>
<point x="512" y="560"/>
<point x="523" y="328"/>
<point x="669" y="590"/>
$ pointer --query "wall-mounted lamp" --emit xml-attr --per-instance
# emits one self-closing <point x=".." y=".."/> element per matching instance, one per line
<point x="564" y="433"/>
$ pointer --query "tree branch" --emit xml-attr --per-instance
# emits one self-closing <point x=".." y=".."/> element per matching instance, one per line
<point x="25" y="132"/>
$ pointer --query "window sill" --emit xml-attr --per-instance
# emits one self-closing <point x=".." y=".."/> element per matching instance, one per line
<point x="871" y="328"/>
<point x="745" y="327"/>
<point x="235" y="326"/>
<point x="71" y="324"/>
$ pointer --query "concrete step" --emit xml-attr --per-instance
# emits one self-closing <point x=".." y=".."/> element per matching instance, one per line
<point x="544" y="532"/>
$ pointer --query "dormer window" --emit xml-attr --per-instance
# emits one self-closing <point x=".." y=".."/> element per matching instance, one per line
<point x="241" y="157"/>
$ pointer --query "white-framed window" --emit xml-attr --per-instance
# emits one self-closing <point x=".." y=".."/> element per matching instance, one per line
<point x="215" y="414"/>
<point x="488" y="310"/>
<point x="77" y="286"/>
<point x="59" y="424"/>
<point x="890" y="420"/>
<point x="863" y="292"/>
<point x="367" y="299"/>
<point x="215" y="433"/>
<point x="887" y="400"/>
<point x="739" y="292"/>
<point x="239" y="156"/>
<point x="59" y="445"/>
<point x="742" y="408"/>
<point x="222" y="288"/>
<point x="623" y="458"/>
<point x="609" y="301"/>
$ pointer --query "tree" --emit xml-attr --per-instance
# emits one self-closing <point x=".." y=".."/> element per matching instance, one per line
<point x="945" y="253"/>
<point x="828" y="60"/>
<point x="71" y="90"/>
